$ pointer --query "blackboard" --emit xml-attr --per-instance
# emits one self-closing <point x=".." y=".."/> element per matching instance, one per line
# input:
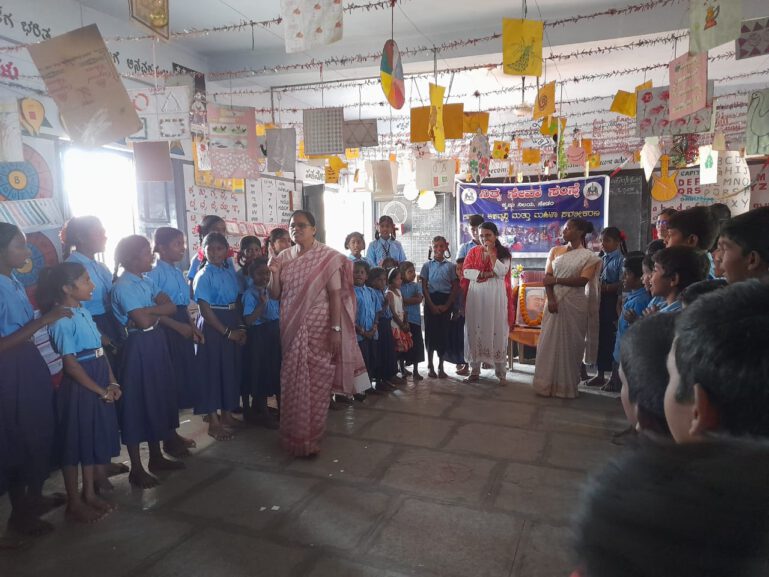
<point x="630" y="207"/>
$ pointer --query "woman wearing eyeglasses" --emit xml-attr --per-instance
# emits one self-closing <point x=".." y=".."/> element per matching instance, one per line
<point x="662" y="222"/>
<point x="317" y="334"/>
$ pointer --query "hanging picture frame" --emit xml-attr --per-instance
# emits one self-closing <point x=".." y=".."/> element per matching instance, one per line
<point x="152" y="14"/>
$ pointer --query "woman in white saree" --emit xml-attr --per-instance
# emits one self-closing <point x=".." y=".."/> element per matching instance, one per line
<point x="570" y="323"/>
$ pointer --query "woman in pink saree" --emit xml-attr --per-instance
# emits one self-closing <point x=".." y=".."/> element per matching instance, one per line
<point x="317" y="334"/>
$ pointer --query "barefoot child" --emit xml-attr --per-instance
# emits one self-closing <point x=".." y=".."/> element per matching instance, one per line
<point x="262" y="355"/>
<point x="148" y="408"/>
<point x="399" y="325"/>
<point x="181" y="333"/>
<point x="87" y="428"/>
<point x="26" y="394"/>
<point x="216" y="292"/>
<point x="412" y="299"/>
<point x="439" y="285"/>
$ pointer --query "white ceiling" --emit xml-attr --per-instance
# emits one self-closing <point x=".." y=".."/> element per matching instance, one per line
<point x="434" y="22"/>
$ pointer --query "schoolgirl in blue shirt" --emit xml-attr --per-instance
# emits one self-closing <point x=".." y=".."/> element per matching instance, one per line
<point x="614" y="250"/>
<point x="147" y="410"/>
<point x="210" y="223"/>
<point x="87" y="428"/>
<point x="181" y="333"/>
<point x="635" y="302"/>
<point x="412" y="298"/>
<point x="356" y="244"/>
<point x="278" y="241"/>
<point x="216" y="292"/>
<point x="439" y="285"/>
<point x="385" y="245"/>
<point x="386" y="373"/>
<point x="26" y="395"/>
<point x="367" y="314"/>
<point x="455" y="350"/>
<point x="263" y="355"/>
<point x="86" y="235"/>
<point x="249" y="250"/>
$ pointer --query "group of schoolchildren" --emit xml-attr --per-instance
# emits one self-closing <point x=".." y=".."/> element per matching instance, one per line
<point x="132" y="357"/>
<point x="389" y="308"/>
<point x="694" y="367"/>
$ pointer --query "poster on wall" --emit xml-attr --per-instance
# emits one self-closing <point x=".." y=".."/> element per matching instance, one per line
<point x="530" y="216"/>
<point x="232" y="141"/>
<point x="164" y="113"/>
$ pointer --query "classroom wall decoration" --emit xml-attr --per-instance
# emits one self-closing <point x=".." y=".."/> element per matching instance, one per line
<point x="480" y="157"/>
<point x="435" y="128"/>
<point x="753" y="40"/>
<point x="281" y="149"/>
<point x="473" y="121"/>
<point x="653" y="114"/>
<point x="43" y="246"/>
<point x="232" y="141"/>
<point x="688" y="75"/>
<point x="391" y="75"/>
<point x="95" y="112"/>
<point x="311" y="23"/>
<point x="522" y="47"/>
<point x="151" y="13"/>
<point x="530" y="216"/>
<point x="32" y="116"/>
<point x="10" y="133"/>
<point x="271" y="200"/>
<point x="323" y="130"/>
<point x="361" y="133"/>
<point x="382" y="178"/>
<point x="544" y="105"/>
<point x="25" y="180"/>
<point x="32" y="215"/>
<point x="712" y="23"/>
<point x="757" y="123"/>
<point x="435" y="174"/>
<point x="164" y="113"/>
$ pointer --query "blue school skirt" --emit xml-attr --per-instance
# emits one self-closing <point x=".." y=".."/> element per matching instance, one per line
<point x="416" y="354"/>
<point x="27" y="418"/>
<point x="147" y="410"/>
<point x="87" y="427"/>
<point x="455" y="349"/>
<point x="437" y="325"/>
<point x="263" y="359"/>
<point x="387" y="361"/>
<point x="183" y="360"/>
<point x="220" y="366"/>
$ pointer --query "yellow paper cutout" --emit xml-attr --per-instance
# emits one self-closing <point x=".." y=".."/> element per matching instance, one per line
<point x="531" y="156"/>
<point x="453" y="120"/>
<point x="457" y="166"/>
<point x="637" y="156"/>
<point x="501" y="150"/>
<point x="393" y="157"/>
<point x="544" y="105"/>
<point x="624" y="103"/>
<point x="32" y="115"/>
<point x="420" y="123"/>
<point x="472" y="121"/>
<point x="645" y="86"/>
<point x="664" y="187"/>
<point x="261" y="130"/>
<point x="300" y="151"/>
<point x="550" y="125"/>
<point x="435" y="129"/>
<point x="351" y="153"/>
<point x="336" y="163"/>
<point x="587" y="145"/>
<point x="522" y="47"/>
<point x="332" y="175"/>
<point x="594" y="160"/>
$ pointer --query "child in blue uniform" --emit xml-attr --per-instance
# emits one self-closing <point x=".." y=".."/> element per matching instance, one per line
<point x="148" y="408"/>
<point x="87" y="429"/>
<point x="250" y="249"/>
<point x="86" y="235"/>
<point x="439" y="285"/>
<point x="635" y="302"/>
<point x="675" y="268"/>
<point x="263" y="354"/>
<point x="216" y="292"/>
<point x="366" y="317"/>
<point x="26" y="395"/>
<point x="181" y="333"/>
<point x="412" y="298"/>
<point x="386" y="374"/>
<point x="385" y="245"/>
<point x="614" y="250"/>
<point x="210" y="223"/>
<point x="455" y="349"/>
<point x="356" y="244"/>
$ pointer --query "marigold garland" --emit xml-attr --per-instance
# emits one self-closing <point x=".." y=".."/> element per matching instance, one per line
<point x="524" y="311"/>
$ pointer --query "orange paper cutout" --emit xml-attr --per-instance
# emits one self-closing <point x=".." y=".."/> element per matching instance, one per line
<point x="472" y="121"/>
<point x="544" y="105"/>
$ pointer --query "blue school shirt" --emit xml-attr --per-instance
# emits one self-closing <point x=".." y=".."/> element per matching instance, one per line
<point x="636" y="301"/>
<point x="15" y="308"/>
<point x="465" y="248"/>
<point x="195" y="266"/>
<point x="439" y="275"/>
<point x="368" y="305"/>
<point x="217" y="285"/>
<point x="381" y="304"/>
<point x="102" y="281"/>
<point x="69" y="336"/>
<point x="245" y="282"/>
<point x="132" y="292"/>
<point x="673" y="307"/>
<point x="362" y="258"/>
<point x="611" y="271"/>
<point x="380" y="249"/>
<point x="170" y="280"/>
<point x="659" y="302"/>
<point x="251" y="300"/>
<point x="413" y="314"/>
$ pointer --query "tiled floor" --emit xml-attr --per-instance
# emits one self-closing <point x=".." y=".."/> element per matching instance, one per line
<point x="445" y="479"/>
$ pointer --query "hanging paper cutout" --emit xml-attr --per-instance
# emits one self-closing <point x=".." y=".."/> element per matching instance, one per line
<point x="310" y="23"/>
<point x="391" y="75"/>
<point x="453" y="120"/>
<point x="522" y="47"/>
<point x="575" y="154"/>
<point x="361" y="133"/>
<point x="753" y="39"/>
<point x="382" y="178"/>
<point x="473" y="121"/>
<point x="757" y="123"/>
<point x="480" y="157"/>
<point x="594" y="160"/>
<point x="549" y="125"/>
<point x="688" y="85"/>
<point x="323" y="130"/>
<point x="708" y="165"/>
<point x="152" y="161"/>
<point x="531" y="156"/>
<point x="435" y="129"/>
<point x="544" y="105"/>
<point x="712" y="23"/>
<point x="420" y="124"/>
<point x="232" y="141"/>
<point x="650" y="154"/>
<point x="281" y="149"/>
<point x="719" y="141"/>
<point x="435" y="174"/>
<point x="664" y="187"/>
<point x="624" y="103"/>
<point x="165" y="113"/>
<point x="652" y="116"/>
<point x="32" y="116"/>
<point x="11" y="146"/>
<point x="501" y="150"/>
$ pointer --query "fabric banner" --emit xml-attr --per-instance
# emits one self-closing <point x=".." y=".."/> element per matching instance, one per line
<point x="530" y="216"/>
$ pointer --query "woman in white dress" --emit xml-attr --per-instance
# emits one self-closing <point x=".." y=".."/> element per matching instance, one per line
<point x="487" y="310"/>
<point x="570" y="322"/>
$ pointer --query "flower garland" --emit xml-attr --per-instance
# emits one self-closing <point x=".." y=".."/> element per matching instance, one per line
<point x="524" y="311"/>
